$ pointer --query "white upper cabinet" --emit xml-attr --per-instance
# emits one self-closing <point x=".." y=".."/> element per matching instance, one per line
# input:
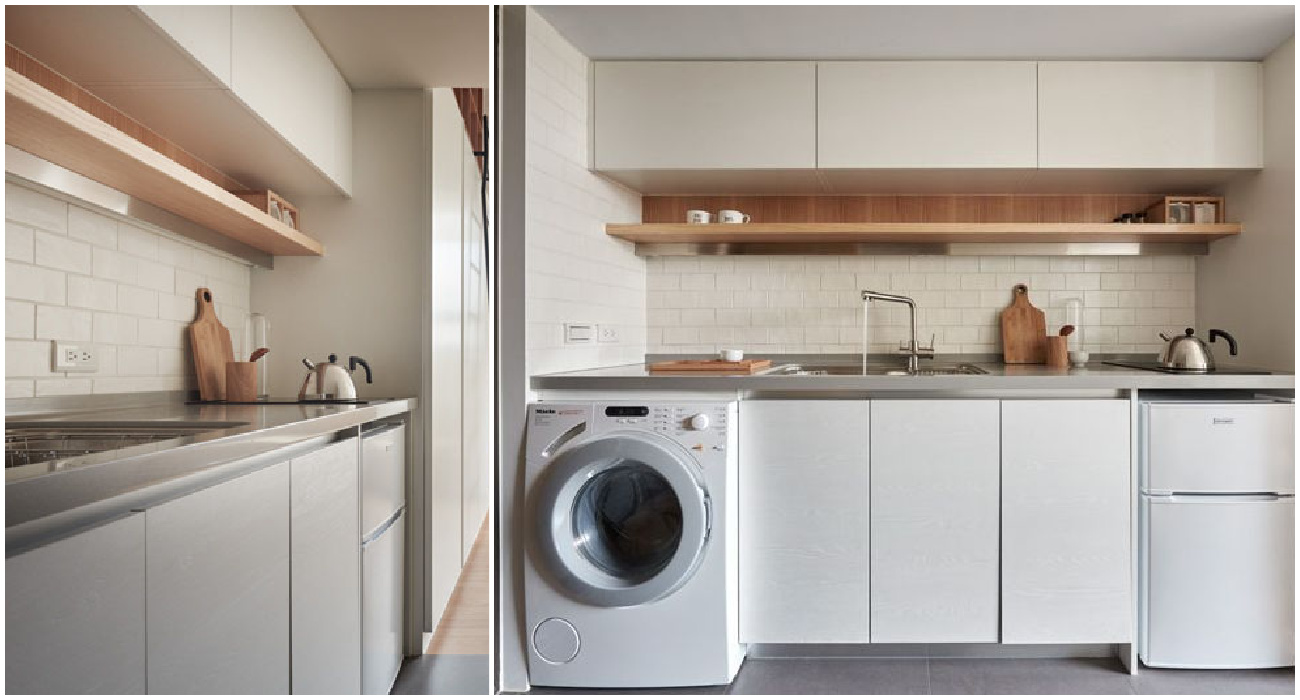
<point x="203" y="31"/>
<point x="281" y="72"/>
<point x="1149" y="115"/>
<point x="926" y="114"/>
<point x="703" y="115"/>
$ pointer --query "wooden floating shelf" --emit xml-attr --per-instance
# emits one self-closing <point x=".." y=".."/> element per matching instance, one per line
<point x="50" y="127"/>
<point x="922" y="233"/>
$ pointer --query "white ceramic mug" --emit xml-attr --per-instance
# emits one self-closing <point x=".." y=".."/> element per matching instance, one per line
<point x="731" y="216"/>
<point x="731" y="355"/>
<point x="1078" y="358"/>
<point x="697" y="216"/>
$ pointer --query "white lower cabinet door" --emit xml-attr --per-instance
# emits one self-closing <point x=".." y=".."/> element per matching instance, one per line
<point x="217" y="587"/>
<point x="804" y="491"/>
<point x="325" y="571"/>
<point x="934" y="521"/>
<point x="1066" y="513"/>
<point x="75" y="615"/>
<point x="381" y="608"/>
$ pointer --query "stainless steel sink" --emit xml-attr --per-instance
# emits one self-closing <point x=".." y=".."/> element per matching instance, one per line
<point x="37" y="442"/>
<point x="802" y="370"/>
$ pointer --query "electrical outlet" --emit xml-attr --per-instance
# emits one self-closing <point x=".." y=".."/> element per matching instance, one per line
<point x="69" y="357"/>
<point x="579" y="334"/>
<point x="607" y="334"/>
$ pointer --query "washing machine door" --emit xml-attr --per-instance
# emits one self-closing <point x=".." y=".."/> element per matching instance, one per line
<point x="621" y="520"/>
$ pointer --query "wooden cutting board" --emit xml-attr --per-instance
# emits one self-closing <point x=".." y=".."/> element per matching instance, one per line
<point x="744" y="366"/>
<point x="210" y="343"/>
<point x="1024" y="330"/>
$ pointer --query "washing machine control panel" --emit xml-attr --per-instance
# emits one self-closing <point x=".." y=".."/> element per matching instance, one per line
<point x="701" y="428"/>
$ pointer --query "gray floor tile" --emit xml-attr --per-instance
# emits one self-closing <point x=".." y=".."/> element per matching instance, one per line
<point x="444" y="674"/>
<point x="1028" y="676"/>
<point x="1170" y="681"/>
<point x="831" y="677"/>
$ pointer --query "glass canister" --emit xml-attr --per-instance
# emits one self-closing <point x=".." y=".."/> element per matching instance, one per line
<point x="1074" y="317"/>
<point x="258" y="335"/>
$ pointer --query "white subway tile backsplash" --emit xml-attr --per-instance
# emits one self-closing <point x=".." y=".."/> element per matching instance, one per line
<point x="137" y="241"/>
<point x="35" y="283"/>
<point x="20" y="319"/>
<point x="62" y="253"/>
<point x="135" y="301"/>
<point x="91" y="293"/>
<point x="813" y="304"/>
<point x="157" y="276"/>
<point x="95" y="229"/>
<point x="63" y="386"/>
<point x="62" y="323"/>
<point x="114" y="328"/>
<point x="20" y="388"/>
<point x="36" y="209"/>
<point x="20" y="243"/>
<point x="115" y="266"/>
<point x="27" y="358"/>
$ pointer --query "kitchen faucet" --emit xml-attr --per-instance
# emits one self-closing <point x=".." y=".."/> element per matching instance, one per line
<point x="914" y="352"/>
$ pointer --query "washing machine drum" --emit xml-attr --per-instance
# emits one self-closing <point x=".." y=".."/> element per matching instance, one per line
<point x="621" y="520"/>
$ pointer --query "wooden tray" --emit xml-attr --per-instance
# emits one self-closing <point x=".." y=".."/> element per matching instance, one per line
<point x="742" y="367"/>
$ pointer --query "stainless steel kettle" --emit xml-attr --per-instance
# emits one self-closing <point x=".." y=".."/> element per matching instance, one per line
<point x="330" y="380"/>
<point x="1191" y="354"/>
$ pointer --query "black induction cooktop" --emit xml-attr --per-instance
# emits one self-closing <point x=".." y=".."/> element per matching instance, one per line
<point x="1157" y="367"/>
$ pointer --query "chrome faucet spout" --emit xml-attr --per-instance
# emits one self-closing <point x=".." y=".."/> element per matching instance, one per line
<point x="913" y="350"/>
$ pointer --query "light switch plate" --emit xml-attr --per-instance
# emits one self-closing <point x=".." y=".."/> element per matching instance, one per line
<point x="579" y="334"/>
<point x="74" y="357"/>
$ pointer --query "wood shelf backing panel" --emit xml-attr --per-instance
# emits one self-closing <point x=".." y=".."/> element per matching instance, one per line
<point x="911" y="232"/>
<point x="46" y="125"/>
<point x="1009" y="208"/>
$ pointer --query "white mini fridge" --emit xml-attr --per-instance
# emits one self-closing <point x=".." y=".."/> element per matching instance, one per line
<point x="1218" y="535"/>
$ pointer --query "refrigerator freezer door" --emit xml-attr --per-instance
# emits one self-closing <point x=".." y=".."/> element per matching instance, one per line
<point x="1220" y="583"/>
<point x="383" y="466"/>
<point x="1220" y="448"/>
<point x="381" y="610"/>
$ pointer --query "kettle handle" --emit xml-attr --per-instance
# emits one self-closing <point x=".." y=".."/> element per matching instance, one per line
<point x="354" y="361"/>
<point x="1232" y="342"/>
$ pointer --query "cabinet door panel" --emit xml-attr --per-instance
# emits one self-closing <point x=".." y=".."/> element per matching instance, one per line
<point x="927" y="114"/>
<point x="325" y="571"/>
<point x="804" y="521"/>
<point x="202" y="30"/>
<point x="934" y="521"/>
<point x="1066" y="512"/>
<point x="704" y="114"/>
<point x="1150" y="114"/>
<point x="75" y="615"/>
<point x="218" y="588"/>
<point x="382" y="628"/>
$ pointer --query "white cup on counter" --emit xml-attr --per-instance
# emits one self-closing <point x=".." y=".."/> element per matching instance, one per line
<point x="1078" y="358"/>
<point x="731" y="355"/>
<point x="697" y="216"/>
<point x="731" y="216"/>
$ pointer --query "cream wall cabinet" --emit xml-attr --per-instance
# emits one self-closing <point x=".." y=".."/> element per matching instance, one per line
<point x="733" y="115"/>
<point x="325" y="571"/>
<point x="934" y="521"/>
<point x="75" y="614"/>
<point x="927" y="114"/>
<point x="1066" y="521"/>
<point x="217" y="588"/>
<point x="281" y="72"/>
<point x="1152" y="114"/>
<point x="203" y="31"/>
<point x="804" y="521"/>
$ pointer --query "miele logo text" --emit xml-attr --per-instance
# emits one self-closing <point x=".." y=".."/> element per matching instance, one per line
<point x="1223" y="421"/>
<point x="546" y="411"/>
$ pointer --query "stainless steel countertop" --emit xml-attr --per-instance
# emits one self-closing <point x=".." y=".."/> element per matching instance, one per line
<point x="102" y="486"/>
<point x="1094" y="376"/>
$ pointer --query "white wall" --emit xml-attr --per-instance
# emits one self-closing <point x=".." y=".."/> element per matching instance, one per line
<point x="575" y="273"/>
<point x="812" y="304"/>
<point x="1246" y="285"/>
<point x="78" y="273"/>
<point x="363" y="297"/>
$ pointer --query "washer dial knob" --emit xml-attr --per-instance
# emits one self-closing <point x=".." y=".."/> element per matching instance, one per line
<point x="699" y="421"/>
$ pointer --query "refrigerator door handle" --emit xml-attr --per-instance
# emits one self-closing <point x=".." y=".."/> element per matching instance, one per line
<point x="383" y="527"/>
<point x="1220" y="498"/>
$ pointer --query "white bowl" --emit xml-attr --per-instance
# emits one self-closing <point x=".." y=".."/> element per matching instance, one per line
<point x="731" y="355"/>
<point x="1078" y="358"/>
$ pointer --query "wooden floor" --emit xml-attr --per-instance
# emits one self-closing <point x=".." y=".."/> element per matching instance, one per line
<point x="464" y="626"/>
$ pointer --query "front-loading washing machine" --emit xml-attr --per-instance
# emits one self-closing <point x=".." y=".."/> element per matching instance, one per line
<point x="631" y="570"/>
